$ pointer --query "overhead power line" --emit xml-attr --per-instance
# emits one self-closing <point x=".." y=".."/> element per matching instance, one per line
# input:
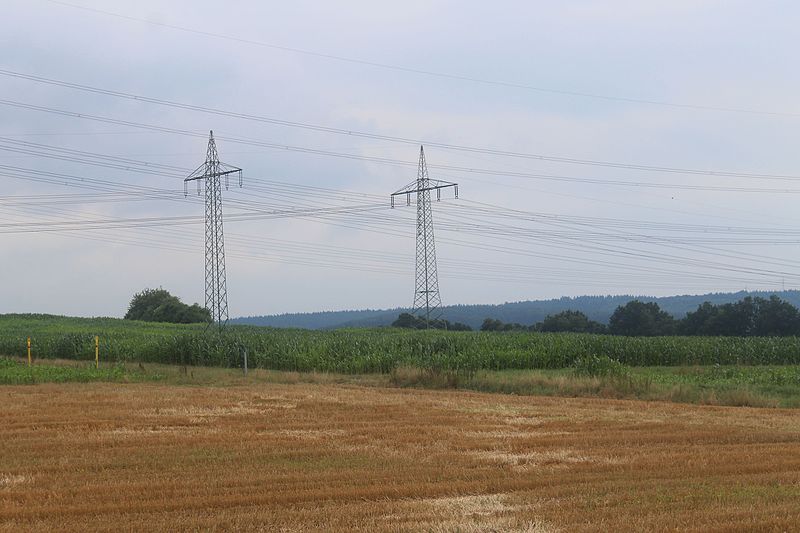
<point x="497" y="272"/>
<point x="453" y="168"/>
<point x="177" y="172"/>
<point x="472" y="223"/>
<point x="370" y="225"/>
<point x="392" y="138"/>
<point x="430" y="73"/>
<point x="505" y="230"/>
<point x="88" y="158"/>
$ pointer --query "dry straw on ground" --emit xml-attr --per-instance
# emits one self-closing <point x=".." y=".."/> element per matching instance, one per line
<point x="310" y="457"/>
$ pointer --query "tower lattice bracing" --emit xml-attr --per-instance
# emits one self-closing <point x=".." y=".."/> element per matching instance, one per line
<point x="427" y="300"/>
<point x="211" y="173"/>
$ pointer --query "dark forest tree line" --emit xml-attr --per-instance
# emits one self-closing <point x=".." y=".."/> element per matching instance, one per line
<point x="749" y="317"/>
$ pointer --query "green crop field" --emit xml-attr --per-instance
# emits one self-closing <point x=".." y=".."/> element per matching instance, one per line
<point x="371" y="350"/>
<point x="753" y="371"/>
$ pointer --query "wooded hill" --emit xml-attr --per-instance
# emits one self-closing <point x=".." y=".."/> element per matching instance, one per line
<point x="598" y="308"/>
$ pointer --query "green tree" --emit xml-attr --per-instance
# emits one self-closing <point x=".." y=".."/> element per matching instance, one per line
<point x="639" y="319"/>
<point x="736" y="319"/>
<point x="748" y="317"/>
<point x="700" y="322"/>
<point x="407" y="320"/>
<point x="158" y="305"/>
<point x="572" y="321"/>
<point x="490" y="324"/>
<point x="776" y="317"/>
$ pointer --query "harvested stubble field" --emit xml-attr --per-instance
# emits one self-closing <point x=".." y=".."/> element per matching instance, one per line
<point x="281" y="457"/>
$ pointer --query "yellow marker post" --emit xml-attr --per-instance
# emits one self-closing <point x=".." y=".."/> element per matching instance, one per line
<point x="96" y="351"/>
<point x="29" y="351"/>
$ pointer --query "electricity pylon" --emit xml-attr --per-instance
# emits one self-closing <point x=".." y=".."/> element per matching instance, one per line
<point x="427" y="300"/>
<point x="210" y="172"/>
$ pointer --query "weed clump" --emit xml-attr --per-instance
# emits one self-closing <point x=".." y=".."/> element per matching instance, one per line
<point x="600" y="366"/>
<point x="430" y="378"/>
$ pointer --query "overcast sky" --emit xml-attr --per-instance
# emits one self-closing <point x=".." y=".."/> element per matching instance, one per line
<point x="693" y="85"/>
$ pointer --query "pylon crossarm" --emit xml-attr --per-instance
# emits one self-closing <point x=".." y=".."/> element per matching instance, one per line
<point x="204" y="175"/>
<point x="432" y="185"/>
<point x="199" y="173"/>
<point x="204" y="172"/>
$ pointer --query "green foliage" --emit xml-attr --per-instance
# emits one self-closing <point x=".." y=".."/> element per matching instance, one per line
<point x="639" y="319"/>
<point x="715" y="376"/>
<point x="756" y="386"/>
<point x="747" y="317"/>
<point x="569" y="321"/>
<point x="409" y="321"/>
<point x="495" y="325"/>
<point x="19" y="373"/>
<point x="599" y="366"/>
<point x="597" y="308"/>
<point x="491" y="324"/>
<point x="158" y="305"/>
<point x="377" y="350"/>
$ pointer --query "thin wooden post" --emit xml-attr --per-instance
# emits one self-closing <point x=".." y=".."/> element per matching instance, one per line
<point x="29" y="352"/>
<point x="96" y="351"/>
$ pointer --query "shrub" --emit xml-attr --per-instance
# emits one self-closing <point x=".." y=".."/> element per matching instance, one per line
<point x="599" y="366"/>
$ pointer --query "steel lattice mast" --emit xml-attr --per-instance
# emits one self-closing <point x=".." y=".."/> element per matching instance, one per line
<point x="211" y="173"/>
<point x="427" y="300"/>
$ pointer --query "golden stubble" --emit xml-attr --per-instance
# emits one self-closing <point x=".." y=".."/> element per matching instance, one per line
<point x="315" y="457"/>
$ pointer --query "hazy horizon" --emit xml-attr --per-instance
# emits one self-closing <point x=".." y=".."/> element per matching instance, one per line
<point x="456" y="304"/>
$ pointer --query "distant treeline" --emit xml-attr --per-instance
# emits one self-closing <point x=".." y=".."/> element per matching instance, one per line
<point x="749" y="317"/>
<point x="597" y="308"/>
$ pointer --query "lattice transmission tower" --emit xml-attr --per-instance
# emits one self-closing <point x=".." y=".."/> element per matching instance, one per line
<point x="427" y="300"/>
<point x="211" y="173"/>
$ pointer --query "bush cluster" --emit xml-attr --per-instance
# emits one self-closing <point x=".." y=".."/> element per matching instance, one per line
<point x="158" y="305"/>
